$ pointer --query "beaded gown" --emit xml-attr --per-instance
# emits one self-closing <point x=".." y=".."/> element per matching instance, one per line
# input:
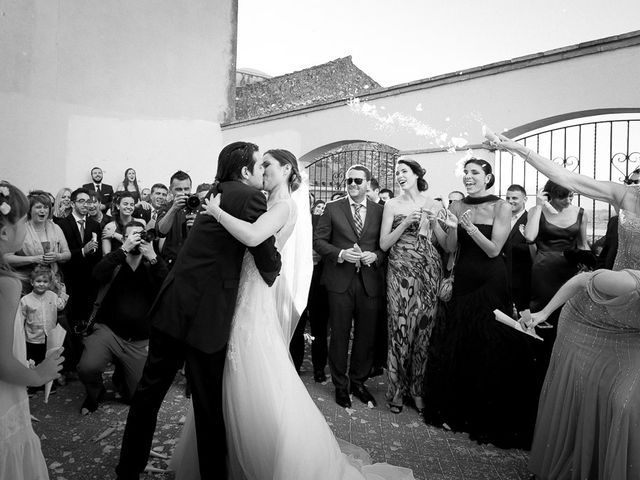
<point x="479" y="371"/>
<point x="274" y="429"/>
<point x="588" y="424"/>
<point x="413" y="276"/>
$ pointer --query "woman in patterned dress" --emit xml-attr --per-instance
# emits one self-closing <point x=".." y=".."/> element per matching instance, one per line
<point x="409" y="231"/>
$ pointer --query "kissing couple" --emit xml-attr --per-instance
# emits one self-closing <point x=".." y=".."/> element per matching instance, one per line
<point x="228" y="309"/>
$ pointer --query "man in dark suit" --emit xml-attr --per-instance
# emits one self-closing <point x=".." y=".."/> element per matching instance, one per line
<point x="191" y="318"/>
<point x="103" y="191"/>
<point x="83" y="237"/>
<point x="347" y="237"/>
<point x="517" y="250"/>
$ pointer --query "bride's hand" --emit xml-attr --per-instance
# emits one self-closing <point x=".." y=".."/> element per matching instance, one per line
<point x="212" y="206"/>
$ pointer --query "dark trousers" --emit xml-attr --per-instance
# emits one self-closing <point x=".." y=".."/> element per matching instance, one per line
<point x="104" y="346"/>
<point x="204" y="372"/>
<point x="36" y="352"/>
<point x="353" y="304"/>
<point x="317" y="312"/>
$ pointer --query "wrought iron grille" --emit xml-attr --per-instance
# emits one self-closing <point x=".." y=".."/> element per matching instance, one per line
<point x="327" y="173"/>
<point x="604" y="150"/>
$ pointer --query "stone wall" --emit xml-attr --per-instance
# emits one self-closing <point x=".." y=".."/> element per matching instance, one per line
<point x="334" y="80"/>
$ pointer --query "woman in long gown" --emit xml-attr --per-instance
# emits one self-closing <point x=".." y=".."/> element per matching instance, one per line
<point x="274" y="429"/>
<point x="20" y="453"/>
<point x="588" y="424"/>
<point x="553" y="233"/>
<point x="479" y="371"/>
<point x="409" y="230"/>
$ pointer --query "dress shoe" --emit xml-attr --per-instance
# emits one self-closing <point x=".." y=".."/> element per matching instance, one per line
<point x="342" y="398"/>
<point x="319" y="376"/>
<point x="361" y="393"/>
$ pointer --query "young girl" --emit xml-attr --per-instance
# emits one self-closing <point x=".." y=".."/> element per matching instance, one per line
<point x="38" y="312"/>
<point x="20" y="453"/>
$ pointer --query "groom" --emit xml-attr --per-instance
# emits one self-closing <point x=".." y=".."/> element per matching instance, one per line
<point x="191" y="318"/>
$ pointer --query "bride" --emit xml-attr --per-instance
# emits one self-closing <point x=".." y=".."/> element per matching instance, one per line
<point x="274" y="429"/>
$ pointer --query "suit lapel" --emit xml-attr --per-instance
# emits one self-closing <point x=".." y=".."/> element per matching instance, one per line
<point x="367" y="218"/>
<point x="346" y="208"/>
<point x="516" y="227"/>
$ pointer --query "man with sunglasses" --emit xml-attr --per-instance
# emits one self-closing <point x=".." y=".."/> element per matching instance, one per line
<point x="347" y="237"/>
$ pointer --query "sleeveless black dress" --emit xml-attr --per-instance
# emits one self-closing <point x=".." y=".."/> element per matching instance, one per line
<point x="479" y="371"/>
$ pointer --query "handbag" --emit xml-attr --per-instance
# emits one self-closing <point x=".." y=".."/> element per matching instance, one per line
<point x="445" y="290"/>
<point x="86" y="328"/>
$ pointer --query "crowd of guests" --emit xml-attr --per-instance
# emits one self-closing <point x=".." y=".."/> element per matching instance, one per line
<point x="93" y="259"/>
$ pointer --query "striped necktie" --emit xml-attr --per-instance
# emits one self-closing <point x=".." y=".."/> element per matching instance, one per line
<point x="81" y="223"/>
<point x="358" y="219"/>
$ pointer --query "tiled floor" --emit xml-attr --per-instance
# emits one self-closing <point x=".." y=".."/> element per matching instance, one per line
<point x="73" y="451"/>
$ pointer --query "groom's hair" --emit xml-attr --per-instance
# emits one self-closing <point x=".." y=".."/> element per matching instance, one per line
<point x="233" y="158"/>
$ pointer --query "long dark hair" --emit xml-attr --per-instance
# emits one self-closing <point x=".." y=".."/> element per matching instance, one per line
<point x="126" y="181"/>
<point x="285" y="157"/>
<point x="115" y="208"/>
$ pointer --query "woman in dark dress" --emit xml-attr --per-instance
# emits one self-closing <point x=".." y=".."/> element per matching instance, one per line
<point x="130" y="184"/>
<point x="478" y="373"/>
<point x="553" y="233"/>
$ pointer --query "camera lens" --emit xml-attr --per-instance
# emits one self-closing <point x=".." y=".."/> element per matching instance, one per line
<point x="193" y="202"/>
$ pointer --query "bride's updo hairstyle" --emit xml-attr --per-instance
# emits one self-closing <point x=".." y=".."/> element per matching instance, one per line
<point x="285" y="157"/>
<point x="419" y="171"/>
<point x="486" y="168"/>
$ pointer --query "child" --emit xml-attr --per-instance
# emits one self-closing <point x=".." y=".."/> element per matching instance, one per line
<point x="20" y="453"/>
<point x="39" y="313"/>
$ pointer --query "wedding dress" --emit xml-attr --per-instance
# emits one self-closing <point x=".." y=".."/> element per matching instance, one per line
<point x="274" y="429"/>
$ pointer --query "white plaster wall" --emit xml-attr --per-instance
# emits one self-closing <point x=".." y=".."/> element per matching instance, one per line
<point x="141" y="84"/>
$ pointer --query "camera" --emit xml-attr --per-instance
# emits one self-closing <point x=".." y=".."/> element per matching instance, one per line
<point x="148" y="235"/>
<point x="192" y="203"/>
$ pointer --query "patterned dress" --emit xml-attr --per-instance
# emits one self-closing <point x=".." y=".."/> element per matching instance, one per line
<point x="413" y="277"/>
<point x="588" y="424"/>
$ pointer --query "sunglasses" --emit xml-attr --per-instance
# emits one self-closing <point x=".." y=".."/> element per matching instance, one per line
<point x="632" y="182"/>
<point x="357" y="181"/>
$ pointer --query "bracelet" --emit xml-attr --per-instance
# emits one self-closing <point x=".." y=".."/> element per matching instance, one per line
<point x="124" y="250"/>
<point x="526" y="159"/>
<point x="473" y="231"/>
<point x="219" y="216"/>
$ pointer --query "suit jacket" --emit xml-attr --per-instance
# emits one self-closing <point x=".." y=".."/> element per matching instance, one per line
<point x="336" y="231"/>
<point x="198" y="298"/>
<point x="518" y="257"/>
<point x="106" y="192"/>
<point x="77" y="271"/>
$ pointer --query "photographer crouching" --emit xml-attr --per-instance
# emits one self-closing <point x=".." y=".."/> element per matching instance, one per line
<point x="178" y="216"/>
<point x="129" y="278"/>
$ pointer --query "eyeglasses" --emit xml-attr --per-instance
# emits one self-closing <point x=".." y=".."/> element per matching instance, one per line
<point x="357" y="181"/>
<point x="82" y="201"/>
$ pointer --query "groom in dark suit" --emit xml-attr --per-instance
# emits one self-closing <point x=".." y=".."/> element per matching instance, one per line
<point x="347" y="237"/>
<point x="517" y="249"/>
<point x="191" y="318"/>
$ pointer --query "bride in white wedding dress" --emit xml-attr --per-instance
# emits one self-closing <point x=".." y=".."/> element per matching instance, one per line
<point x="274" y="429"/>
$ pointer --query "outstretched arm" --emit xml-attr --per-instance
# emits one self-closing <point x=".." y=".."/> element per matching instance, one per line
<point x="598" y="190"/>
<point x="606" y="282"/>
<point x="251" y="234"/>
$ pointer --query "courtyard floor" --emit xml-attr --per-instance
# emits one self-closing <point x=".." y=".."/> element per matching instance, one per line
<point x="87" y="447"/>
